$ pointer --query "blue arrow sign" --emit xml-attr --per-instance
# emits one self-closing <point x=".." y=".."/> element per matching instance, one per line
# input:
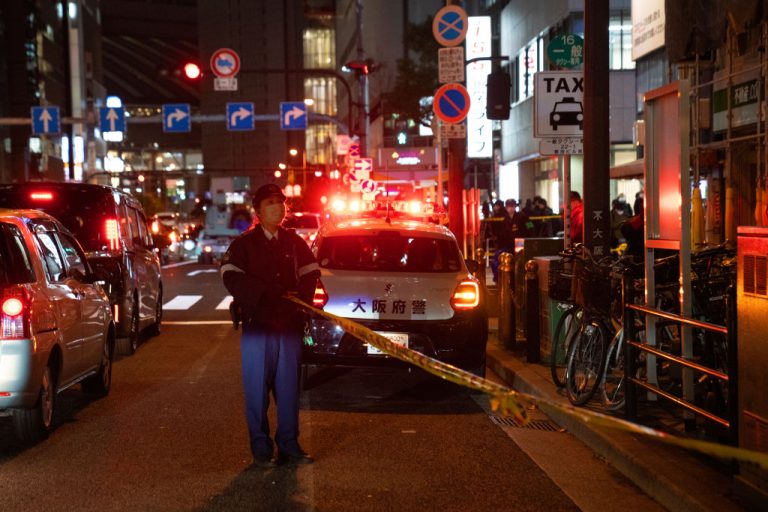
<point x="293" y="115"/>
<point x="239" y="116"/>
<point x="176" y="118"/>
<point x="46" y="120"/>
<point x="112" y="119"/>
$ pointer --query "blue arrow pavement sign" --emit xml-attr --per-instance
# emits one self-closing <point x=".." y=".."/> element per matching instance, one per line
<point x="46" y="120"/>
<point x="239" y="116"/>
<point x="112" y="119"/>
<point x="293" y="115"/>
<point x="176" y="118"/>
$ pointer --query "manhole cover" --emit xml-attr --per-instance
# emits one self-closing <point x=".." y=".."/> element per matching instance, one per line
<point x="546" y="425"/>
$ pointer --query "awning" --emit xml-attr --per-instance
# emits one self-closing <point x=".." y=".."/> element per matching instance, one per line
<point x="633" y="169"/>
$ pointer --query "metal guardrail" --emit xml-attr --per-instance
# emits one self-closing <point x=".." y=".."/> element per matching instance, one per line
<point x="632" y="345"/>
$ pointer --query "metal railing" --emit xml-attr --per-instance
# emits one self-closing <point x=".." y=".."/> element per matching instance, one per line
<point x="633" y="347"/>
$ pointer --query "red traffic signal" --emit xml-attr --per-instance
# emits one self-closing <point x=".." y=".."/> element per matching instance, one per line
<point x="192" y="71"/>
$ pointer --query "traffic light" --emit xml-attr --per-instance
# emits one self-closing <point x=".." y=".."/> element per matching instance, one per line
<point x="192" y="71"/>
<point x="498" y="89"/>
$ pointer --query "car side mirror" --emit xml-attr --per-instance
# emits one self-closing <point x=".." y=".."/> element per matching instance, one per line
<point x="473" y="266"/>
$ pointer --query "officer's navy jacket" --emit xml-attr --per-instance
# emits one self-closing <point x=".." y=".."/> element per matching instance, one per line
<point x="258" y="272"/>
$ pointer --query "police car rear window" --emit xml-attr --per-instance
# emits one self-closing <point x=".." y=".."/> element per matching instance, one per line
<point x="389" y="252"/>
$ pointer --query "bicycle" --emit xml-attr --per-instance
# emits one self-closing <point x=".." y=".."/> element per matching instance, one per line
<point x="585" y="357"/>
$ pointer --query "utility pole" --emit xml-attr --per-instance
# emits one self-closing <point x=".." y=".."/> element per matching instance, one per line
<point x="363" y="82"/>
<point x="597" y="227"/>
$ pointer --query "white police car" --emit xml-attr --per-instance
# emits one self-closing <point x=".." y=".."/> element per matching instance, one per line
<point x="403" y="278"/>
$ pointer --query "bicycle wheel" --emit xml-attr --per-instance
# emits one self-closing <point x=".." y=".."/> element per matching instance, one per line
<point x="567" y="327"/>
<point x="586" y="357"/>
<point x="613" y="389"/>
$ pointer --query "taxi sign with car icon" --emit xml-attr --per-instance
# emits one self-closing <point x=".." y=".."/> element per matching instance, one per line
<point x="567" y="112"/>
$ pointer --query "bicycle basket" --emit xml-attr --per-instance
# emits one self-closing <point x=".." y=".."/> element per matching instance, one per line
<point x="560" y="280"/>
<point x="592" y="285"/>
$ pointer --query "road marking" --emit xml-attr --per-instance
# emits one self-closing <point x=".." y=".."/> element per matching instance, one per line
<point x="203" y="271"/>
<point x="199" y="322"/>
<point x="174" y="265"/>
<point x="225" y="303"/>
<point x="182" y="302"/>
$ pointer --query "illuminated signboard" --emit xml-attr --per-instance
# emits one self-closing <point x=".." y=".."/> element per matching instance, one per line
<point x="479" y="128"/>
<point x="402" y="158"/>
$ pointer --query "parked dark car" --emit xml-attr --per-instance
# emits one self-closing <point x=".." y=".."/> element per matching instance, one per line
<point x="113" y="230"/>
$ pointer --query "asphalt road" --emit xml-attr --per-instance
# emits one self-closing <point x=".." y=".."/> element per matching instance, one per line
<point x="171" y="436"/>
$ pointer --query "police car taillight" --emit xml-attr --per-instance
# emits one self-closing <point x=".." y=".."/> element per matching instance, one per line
<point x="320" y="298"/>
<point x="466" y="296"/>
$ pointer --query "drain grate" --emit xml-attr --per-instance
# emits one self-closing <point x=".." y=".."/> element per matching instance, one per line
<point x="545" y="425"/>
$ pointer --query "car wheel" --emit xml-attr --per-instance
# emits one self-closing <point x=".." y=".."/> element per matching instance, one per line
<point x="155" y="329"/>
<point x="98" y="385"/>
<point x="34" y="425"/>
<point x="130" y="343"/>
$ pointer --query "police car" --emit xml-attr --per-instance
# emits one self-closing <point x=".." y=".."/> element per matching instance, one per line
<point x="403" y="278"/>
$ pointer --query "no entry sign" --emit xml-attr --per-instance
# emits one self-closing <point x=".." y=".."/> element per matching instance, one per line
<point x="451" y="103"/>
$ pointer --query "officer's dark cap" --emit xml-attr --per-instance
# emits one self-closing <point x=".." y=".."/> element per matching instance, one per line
<point x="265" y="191"/>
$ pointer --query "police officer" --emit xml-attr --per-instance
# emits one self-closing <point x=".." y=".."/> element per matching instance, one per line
<point x="260" y="268"/>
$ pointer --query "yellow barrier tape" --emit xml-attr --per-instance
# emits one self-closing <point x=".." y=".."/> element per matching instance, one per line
<point x="511" y="403"/>
<point x="503" y="399"/>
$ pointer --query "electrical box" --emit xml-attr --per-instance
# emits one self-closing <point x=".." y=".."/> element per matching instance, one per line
<point x="752" y="318"/>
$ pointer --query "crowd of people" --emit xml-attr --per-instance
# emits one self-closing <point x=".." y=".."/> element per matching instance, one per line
<point x="505" y="222"/>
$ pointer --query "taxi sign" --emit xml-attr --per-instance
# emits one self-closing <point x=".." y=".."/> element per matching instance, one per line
<point x="451" y="103"/>
<point x="558" y="108"/>
<point x="225" y="63"/>
<point x="450" y="25"/>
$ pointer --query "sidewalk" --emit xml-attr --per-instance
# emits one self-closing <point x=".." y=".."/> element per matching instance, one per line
<point x="677" y="479"/>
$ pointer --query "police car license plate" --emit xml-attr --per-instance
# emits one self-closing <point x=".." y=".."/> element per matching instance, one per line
<point x="401" y="338"/>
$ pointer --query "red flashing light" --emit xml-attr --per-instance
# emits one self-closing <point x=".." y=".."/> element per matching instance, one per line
<point x="41" y="196"/>
<point x="192" y="71"/>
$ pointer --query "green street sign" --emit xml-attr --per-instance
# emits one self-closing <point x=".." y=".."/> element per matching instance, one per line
<point x="566" y="51"/>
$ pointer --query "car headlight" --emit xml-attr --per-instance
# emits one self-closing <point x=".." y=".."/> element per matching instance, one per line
<point x="189" y="245"/>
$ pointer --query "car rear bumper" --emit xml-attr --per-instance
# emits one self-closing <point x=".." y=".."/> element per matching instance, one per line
<point x="459" y="341"/>
<point x="19" y="381"/>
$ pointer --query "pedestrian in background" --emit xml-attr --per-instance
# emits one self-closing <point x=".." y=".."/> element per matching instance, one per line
<point x="577" y="218"/>
<point x="261" y="267"/>
<point x="522" y="226"/>
<point x="501" y="232"/>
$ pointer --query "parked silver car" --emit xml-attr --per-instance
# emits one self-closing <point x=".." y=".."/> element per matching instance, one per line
<point x="56" y="327"/>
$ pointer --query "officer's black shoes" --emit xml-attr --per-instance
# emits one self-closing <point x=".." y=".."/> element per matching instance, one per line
<point x="295" y="458"/>
<point x="263" y="462"/>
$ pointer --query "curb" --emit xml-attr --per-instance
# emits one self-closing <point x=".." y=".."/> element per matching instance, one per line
<point x="673" y="477"/>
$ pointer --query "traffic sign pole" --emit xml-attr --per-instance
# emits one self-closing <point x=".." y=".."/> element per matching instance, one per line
<point x="596" y="129"/>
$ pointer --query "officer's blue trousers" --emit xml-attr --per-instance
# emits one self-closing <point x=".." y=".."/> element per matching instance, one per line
<point x="271" y="361"/>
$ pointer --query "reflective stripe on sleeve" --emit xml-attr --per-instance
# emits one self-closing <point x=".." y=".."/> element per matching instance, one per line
<point x="306" y="269"/>
<point x="230" y="268"/>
